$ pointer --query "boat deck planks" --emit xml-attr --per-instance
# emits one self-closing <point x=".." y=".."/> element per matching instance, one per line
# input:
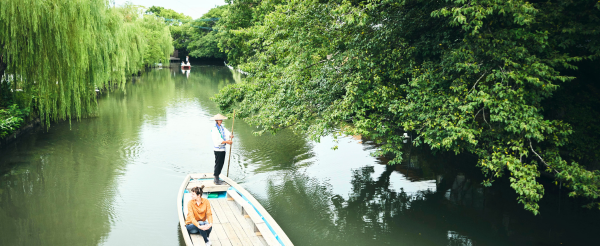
<point x="217" y="231"/>
<point x="244" y="224"/>
<point x="234" y="222"/>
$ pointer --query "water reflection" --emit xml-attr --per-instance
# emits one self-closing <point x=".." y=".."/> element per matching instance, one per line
<point x="49" y="199"/>
<point x="456" y="210"/>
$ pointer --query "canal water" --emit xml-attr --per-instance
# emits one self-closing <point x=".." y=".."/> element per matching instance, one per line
<point x="113" y="179"/>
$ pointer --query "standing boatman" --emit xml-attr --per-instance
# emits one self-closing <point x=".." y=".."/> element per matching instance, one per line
<point x="220" y="137"/>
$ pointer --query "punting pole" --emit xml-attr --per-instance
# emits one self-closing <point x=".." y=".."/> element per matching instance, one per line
<point x="231" y="145"/>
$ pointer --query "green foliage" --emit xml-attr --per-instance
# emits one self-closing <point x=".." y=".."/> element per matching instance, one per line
<point x="206" y="46"/>
<point x="204" y="43"/>
<point x="167" y="13"/>
<point x="242" y="14"/>
<point x="176" y="22"/>
<point x="11" y="119"/>
<point x="58" y="52"/>
<point x="195" y="37"/>
<point x="158" y="38"/>
<point x="462" y="76"/>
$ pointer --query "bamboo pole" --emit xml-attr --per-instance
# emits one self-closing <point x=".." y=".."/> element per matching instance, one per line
<point x="231" y="145"/>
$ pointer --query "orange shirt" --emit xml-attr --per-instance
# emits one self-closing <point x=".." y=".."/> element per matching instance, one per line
<point x="197" y="212"/>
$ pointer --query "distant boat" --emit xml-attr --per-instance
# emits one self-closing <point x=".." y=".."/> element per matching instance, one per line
<point x="238" y="218"/>
<point x="186" y="66"/>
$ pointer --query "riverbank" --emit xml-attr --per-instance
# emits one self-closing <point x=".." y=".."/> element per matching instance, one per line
<point x="32" y="125"/>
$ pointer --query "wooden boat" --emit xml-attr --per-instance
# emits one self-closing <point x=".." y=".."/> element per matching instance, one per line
<point x="238" y="218"/>
<point x="184" y="67"/>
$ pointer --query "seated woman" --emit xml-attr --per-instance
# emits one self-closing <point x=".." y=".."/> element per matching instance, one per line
<point x="199" y="218"/>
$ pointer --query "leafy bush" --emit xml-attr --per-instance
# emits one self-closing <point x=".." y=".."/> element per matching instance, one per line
<point x="11" y="119"/>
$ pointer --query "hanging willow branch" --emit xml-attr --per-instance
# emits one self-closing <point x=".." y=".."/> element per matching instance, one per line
<point x="62" y="50"/>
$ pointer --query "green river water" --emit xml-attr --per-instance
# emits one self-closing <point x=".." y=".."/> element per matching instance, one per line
<point x="113" y="179"/>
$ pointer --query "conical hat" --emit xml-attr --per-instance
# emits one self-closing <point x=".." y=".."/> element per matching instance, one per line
<point x="219" y="117"/>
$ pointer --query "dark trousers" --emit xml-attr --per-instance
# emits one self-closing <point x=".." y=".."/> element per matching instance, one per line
<point x="192" y="229"/>
<point x="219" y="161"/>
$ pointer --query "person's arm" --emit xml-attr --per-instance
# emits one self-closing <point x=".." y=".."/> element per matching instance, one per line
<point x="209" y="217"/>
<point x="190" y="215"/>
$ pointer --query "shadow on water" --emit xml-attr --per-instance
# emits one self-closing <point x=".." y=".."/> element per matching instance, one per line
<point x="458" y="211"/>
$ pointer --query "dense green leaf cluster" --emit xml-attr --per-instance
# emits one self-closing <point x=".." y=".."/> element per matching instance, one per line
<point x="205" y="43"/>
<point x="197" y="38"/>
<point x="462" y="76"/>
<point x="11" y="119"/>
<point x="167" y="13"/>
<point x="59" y="52"/>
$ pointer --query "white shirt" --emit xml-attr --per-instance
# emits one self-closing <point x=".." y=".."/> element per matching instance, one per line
<point x="217" y="138"/>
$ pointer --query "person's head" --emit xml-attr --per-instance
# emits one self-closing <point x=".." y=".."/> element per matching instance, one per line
<point x="219" y="118"/>
<point x="197" y="192"/>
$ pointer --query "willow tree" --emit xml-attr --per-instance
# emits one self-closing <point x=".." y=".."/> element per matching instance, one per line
<point x="59" y="52"/>
<point x="158" y="38"/>
<point x="462" y="76"/>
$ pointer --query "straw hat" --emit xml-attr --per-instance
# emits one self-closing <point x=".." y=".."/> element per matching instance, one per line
<point x="219" y="117"/>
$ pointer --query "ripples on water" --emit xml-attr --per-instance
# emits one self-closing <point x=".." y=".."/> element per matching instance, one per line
<point x="112" y="180"/>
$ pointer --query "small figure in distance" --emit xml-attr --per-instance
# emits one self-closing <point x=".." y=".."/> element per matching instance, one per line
<point x="199" y="219"/>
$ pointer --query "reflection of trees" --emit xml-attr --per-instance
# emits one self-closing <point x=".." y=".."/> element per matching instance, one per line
<point x="268" y="152"/>
<point x="459" y="212"/>
<point x="304" y="204"/>
<point x="381" y="215"/>
<point x="58" y="192"/>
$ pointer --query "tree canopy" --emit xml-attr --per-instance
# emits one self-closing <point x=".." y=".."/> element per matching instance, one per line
<point x="198" y="38"/>
<point x="492" y="78"/>
<point x="167" y="13"/>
